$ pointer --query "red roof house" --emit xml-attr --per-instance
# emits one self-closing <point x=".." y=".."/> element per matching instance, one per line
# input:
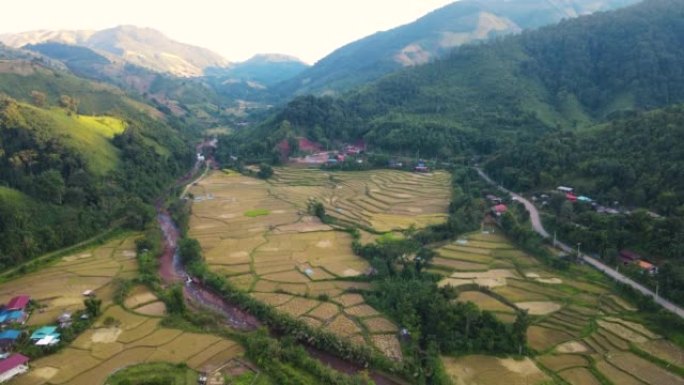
<point x="13" y="365"/>
<point x="571" y="197"/>
<point x="18" y="303"/>
<point x="499" y="209"/>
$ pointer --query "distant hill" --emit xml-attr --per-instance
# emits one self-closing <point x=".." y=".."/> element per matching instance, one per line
<point x="144" y="47"/>
<point x="434" y="35"/>
<point x="262" y="69"/>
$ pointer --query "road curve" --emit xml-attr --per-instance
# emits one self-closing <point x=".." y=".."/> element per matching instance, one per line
<point x="539" y="228"/>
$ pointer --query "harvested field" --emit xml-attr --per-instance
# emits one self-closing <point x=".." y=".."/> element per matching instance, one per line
<point x="539" y="308"/>
<point x="643" y="370"/>
<point x="59" y="287"/>
<point x="579" y="376"/>
<point x="486" y="370"/>
<point x="572" y="347"/>
<point x="665" y="350"/>
<point x="343" y="326"/>
<point x="639" y="328"/>
<point x="104" y="350"/>
<point x="615" y="375"/>
<point x="298" y="306"/>
<point x="389" y="345"/>
<point x="541" y="338"/>
<point x="484" y="301"/>
<point x="361" y="311"/>
<point x="379" y="325"/>
<point x="383" y="199"/>
<point x="155" y="309"/>
<point x="563" y="361"/>
<point x="622" y="332"/>
<point x="259" y="234"/>
<point x="324" y="311"/>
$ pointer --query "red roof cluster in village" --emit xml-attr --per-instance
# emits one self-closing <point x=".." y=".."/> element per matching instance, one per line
<point x="18" y="303"/>
<point x="571" y="197"/>
<point x="12" y="362"/>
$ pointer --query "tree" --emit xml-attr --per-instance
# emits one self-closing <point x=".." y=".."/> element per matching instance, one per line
<point x="68" y="103"/>
<point x="93" y="306"/>
<point x="38" y="98"/>
<point x="265" y="171"/>
<point x="50" y="186"/>
<point x="522" y="322"/>
<point x="175" y="300"/>
<point x="190" y="250"/>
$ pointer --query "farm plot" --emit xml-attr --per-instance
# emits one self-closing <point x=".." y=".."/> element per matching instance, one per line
<point x="579" y="328"/>
<point x="59" y="287"/>
<point x="486" y="370"/>
<point x="128" y="340"/>
<point x="382" y="199"/>
<point x="283" y="256"/>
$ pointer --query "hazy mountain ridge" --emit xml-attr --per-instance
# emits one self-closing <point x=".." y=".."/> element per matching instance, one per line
<point x="145" y="47"/>
<point x="434" y="35"/>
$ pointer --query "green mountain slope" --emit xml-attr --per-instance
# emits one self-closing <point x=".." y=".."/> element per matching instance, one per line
<point x="434" y="35"/>
<point x="76" y="156"/>
<point x="483" y="97"/>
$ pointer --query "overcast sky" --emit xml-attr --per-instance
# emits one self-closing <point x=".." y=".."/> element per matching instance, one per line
<point x="237" y="29"/>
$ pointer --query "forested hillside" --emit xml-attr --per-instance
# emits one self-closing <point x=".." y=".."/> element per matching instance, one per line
<point x="75" y="157"/>
<point x="485" y="97"/>
<point x="434" y="35"/>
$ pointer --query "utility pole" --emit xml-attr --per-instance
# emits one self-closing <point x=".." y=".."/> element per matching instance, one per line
<point x="578" y="250"/>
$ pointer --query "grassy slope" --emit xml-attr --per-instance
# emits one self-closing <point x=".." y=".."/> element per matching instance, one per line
<point x="89" y="135"/>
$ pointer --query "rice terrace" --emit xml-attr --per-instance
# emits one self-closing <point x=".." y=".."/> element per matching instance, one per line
<point x="259" y="234"/>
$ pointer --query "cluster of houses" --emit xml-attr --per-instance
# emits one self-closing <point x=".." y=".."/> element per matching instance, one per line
<point x="12" y="315"/>
<point x="15" y="312"/>
<point x="571" y="196"/>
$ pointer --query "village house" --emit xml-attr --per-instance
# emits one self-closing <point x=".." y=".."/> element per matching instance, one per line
<point x="421" y="167"/>
<point x="627" y="257"/>
<point x="47" y="335"/>
<point x="12" y="366"/>
<point x="499" y="209"/>
<point x="8" y="338"/>
<point x="15" y="311"/>
<point x="565" y="189"/>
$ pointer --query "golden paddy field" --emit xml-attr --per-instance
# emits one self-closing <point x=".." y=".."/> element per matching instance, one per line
<point x="59" y="287"/>
<point x="259" y="234"/>
<point x="582" y="332"/>
<point x="122" y="336"/>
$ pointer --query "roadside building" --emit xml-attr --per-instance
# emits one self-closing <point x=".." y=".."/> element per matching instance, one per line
<point x="12" y="366"/>
<point x="565" y="189"/>
<point x="571" y="197"/>
<point x="627" y="257"/>
<point x="648" y="267"/>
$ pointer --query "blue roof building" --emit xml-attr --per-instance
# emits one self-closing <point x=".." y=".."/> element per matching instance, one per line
<point x="10" y="334"/>
<point x="43" y="332"/>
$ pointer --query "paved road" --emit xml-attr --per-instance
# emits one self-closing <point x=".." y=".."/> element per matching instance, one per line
<point x="539" y="228"/>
